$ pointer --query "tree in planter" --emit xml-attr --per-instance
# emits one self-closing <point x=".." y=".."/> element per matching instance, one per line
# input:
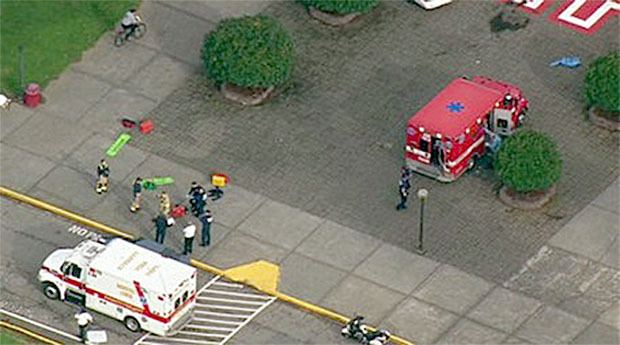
<point x="252" y="53"/>
<point x="603" y="90"/>
<point x="338" y="12"/>
<point x="529" y="165"/>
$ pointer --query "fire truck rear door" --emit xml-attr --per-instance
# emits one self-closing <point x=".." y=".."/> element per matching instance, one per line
<point x="502" y="121"/>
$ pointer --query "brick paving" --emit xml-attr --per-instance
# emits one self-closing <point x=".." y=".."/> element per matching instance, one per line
<point x="331" y="143"/>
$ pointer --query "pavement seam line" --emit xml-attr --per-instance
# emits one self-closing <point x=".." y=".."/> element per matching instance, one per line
<point x="29" y="333"/>
<point x="252" y="211"/>
<point x="176" y="9"/>
<point x="114" y="85"/>
<point x="464" y="314"/>
<point x="201" y="265"/>
<point x="526" y="320"/>
<point x="294" y="249"/>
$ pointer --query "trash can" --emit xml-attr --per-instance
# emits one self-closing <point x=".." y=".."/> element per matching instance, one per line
<point x="32" y="95"/>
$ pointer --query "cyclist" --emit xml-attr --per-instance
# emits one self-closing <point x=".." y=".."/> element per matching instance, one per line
<point x="130" y="22"/>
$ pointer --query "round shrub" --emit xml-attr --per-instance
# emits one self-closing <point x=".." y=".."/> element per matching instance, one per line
<point x="341" y="6"/>
<point x="251" y="51"/>
<point x="529" y="161"/>
<point x="603" y="83"/>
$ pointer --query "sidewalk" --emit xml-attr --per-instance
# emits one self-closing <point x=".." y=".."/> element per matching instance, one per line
<point x="568" y="293"/>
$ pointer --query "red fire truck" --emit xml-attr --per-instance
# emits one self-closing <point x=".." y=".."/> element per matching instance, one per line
<point x="447" y="136"/>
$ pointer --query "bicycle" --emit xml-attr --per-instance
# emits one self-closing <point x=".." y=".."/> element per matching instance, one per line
<point x="138" y="33"/>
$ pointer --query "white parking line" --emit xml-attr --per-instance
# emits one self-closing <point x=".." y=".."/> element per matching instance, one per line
<point x="239" y="294"/>
<point x="217" y="321"/>
<point x="210" y="328"/>
<point x="225" y="315"/>
<point x="231" y="285"/>
<point x="40" y="325"/>
<point x="228" y="300"/>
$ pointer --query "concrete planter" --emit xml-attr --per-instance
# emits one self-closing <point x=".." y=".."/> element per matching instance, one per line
<point x="331" y="18"/>
<point x="246" y="96"/>
<point x="526" y="201"/>
<point x="596" y="116"/>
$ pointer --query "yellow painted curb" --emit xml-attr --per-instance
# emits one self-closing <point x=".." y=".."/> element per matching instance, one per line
<point x="251" y="276"/>
<point x="261" y="274"/>
<point x="29" y="333"/>
<point x="61" y="212"/>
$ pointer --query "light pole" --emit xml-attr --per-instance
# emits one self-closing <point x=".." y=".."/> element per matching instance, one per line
<point x="422" y="195"/>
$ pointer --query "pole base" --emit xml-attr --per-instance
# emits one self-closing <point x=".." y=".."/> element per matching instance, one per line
<point x="420" y="251"/>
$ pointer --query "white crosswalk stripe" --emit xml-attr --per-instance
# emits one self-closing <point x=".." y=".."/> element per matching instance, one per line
<point x="222" y="309"/>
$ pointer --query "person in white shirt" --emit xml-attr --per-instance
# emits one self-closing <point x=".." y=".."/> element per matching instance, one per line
<point x="189" y="232"/>
<point x="130" y="22"/>
<point x="84" y="319"/>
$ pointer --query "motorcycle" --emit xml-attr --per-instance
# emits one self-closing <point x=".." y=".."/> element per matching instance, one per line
<point x="356" y="329"/>
<point x="138" y="32"/>
<point x="379" y="337"/>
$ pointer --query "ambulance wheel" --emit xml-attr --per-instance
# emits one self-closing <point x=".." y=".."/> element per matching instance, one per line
<point x="51" y="291"/>
<point x="132" y="324"/>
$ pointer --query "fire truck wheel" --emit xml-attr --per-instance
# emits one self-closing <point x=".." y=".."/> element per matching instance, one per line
<point x="132" y="324"/>
<point x="472" y="162"/>
<point x="522" y="117"/>
<point x="51" y="291"/>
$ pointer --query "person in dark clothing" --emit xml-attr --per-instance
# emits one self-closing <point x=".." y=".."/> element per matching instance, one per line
<point x="160" y="227"/>
<point x="216" y="193"/>
<point x="206" y="219"/>
<point x="196" y="190"/>
<point x="405" y="173"/>
<point x="137" y="193"/>
<point x="197" y="199"/>
<point x="197" y="204"/>
<point x="403" y="191"/>
<point x="404" y="181"/>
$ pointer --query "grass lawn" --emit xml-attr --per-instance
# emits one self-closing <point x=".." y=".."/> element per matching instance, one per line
<point x="53" y="34"/>
<point x="11" y="338"/>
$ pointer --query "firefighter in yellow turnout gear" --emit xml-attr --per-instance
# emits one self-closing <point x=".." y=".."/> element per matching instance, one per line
<point x="103" y="176"/>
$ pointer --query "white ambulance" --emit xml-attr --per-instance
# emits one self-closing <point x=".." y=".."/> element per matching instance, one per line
<point x="140" y="287"/>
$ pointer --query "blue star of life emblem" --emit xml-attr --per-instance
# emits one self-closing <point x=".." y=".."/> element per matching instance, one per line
<point x="143" y="300"/>
<point x="455" y="107"/>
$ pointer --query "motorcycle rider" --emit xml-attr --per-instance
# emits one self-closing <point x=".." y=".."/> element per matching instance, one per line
<point x="356" y="329"/>
<point x="379" y="337"/>
<point x="130" y="22"/>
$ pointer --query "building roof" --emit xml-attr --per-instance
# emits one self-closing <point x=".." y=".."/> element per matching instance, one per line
<point x="134" y="263"/>
<point x="455" y="108"/>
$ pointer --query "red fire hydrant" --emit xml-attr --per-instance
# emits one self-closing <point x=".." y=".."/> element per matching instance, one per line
<point x="32" y="96"/>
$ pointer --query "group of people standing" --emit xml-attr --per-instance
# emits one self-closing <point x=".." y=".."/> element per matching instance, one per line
<point x="168" y="215"/>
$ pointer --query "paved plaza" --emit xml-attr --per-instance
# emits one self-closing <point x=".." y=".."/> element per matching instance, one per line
<point x="314" y="175"/>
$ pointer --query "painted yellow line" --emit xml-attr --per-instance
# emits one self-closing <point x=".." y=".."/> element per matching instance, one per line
<point x="29" y="333"/>
<point x="61" y="212"/>
<point x="198" y="264"/>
